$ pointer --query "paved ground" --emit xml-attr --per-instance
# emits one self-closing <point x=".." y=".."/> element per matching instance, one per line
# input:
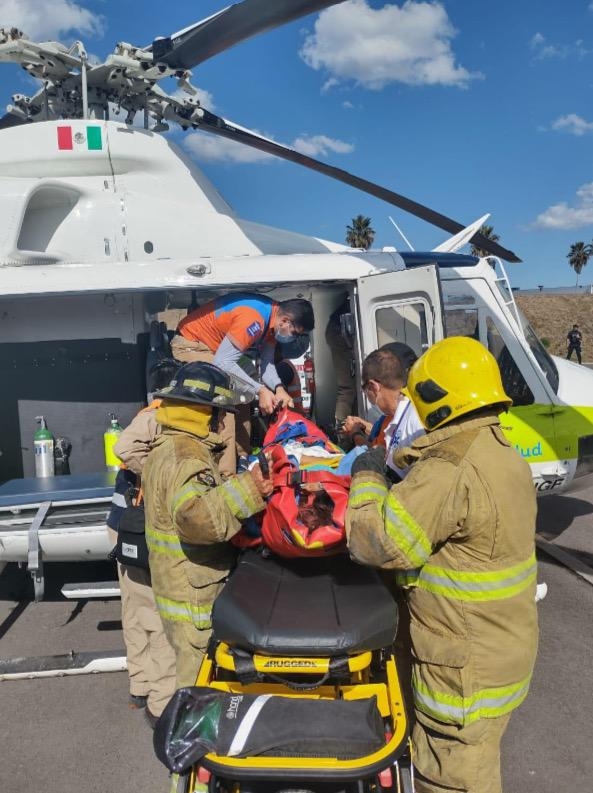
<point x="76" y="734"/>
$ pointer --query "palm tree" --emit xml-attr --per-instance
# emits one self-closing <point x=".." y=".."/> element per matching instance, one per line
<point x="490" y="234"/>
<point x="360" y="234"/>
<point x="578" y="256"/>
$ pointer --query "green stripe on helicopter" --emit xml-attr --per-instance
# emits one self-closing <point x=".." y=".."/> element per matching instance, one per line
<point x="548" y="434"/>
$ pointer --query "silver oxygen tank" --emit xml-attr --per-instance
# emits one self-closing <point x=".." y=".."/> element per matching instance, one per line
<point x="43" y="445"/>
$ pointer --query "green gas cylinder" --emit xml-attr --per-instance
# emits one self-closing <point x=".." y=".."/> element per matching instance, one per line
<point x="43" y="444"/>
<point x="110" y="437"/>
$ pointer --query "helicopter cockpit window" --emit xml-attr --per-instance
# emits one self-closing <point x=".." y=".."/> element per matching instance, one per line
<point x="462" y="322"/>
<point x="513" y="381"/>
<point x="405" y="322"/>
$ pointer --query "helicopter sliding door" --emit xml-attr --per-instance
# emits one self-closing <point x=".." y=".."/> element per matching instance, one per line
<point x="402" y="306"/>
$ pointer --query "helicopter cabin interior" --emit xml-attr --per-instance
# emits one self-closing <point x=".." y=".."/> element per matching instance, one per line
<point x="74" y="359"/>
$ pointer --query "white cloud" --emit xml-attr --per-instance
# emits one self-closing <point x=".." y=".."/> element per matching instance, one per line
<point x="320" y="145"/>
<point x="40" y="20"/>
<point x="562" y="216"/>
<point x="205" y="98"/>
<point x="542" y="49"/>
<point x="211" y="148"/>
<point x="575" y="125"/>
<point x="374" y="47"/>
<point x="329" y="84"/>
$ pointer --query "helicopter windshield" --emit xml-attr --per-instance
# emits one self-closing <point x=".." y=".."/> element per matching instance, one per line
<point x="541" y="355"/>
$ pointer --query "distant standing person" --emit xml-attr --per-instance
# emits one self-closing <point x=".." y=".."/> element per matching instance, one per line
<point x="574" y="339"/>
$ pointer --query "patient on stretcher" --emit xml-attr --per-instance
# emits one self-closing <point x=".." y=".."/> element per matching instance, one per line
<point x="305" y="514"/>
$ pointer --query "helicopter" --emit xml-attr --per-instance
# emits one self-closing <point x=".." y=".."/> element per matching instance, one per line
<point x="107" y="224"/>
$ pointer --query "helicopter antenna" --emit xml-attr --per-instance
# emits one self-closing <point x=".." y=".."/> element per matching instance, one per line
<point x="401" y="233"/>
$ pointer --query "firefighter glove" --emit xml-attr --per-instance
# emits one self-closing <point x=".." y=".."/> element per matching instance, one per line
<point x="372" y="461"/>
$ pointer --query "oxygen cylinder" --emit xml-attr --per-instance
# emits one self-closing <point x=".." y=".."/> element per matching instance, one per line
<point x="110" y="437"/>
<point x="43" y="444"/>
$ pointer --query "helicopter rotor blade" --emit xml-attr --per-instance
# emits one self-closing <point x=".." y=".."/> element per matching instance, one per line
<point x="10" y="120"/>
<point x="223" y="30"/>
<point x="219" y="126"/>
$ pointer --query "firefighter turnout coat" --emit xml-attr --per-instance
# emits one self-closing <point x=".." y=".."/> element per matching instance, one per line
<point x="460" y="533"/>
<point x="191" y="515"/>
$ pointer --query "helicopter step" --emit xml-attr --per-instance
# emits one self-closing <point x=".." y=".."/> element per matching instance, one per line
<point x="71" y="663"/>
<point x="93" y="589"/>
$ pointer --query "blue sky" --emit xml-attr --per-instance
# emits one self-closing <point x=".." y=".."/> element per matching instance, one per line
<point x="468" y="107"/>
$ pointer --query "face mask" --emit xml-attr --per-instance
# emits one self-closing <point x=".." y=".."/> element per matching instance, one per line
<point x="282" y="338"/>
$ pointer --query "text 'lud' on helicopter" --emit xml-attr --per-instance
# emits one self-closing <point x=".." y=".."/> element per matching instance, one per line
<point x="106" y="225"/>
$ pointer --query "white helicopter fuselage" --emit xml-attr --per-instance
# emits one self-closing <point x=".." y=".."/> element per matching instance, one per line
<point x="105" y="226"/>
<point x="134" y="198"/>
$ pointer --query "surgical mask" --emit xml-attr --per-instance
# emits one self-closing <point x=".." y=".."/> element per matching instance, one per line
<point x="282" y="338"/>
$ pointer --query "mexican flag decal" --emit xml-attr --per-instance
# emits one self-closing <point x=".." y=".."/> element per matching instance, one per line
<point x="89" y="139"/>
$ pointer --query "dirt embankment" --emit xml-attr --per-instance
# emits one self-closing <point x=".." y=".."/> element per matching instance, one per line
<point x="552" y="316"/>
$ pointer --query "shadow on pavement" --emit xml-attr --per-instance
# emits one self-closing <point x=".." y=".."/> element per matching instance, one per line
<point x="16" y="583"/>
<point x="582" y="556"/>
<point x="556" y="513"/>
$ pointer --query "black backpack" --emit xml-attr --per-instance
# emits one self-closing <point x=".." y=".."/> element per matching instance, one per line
<point x="131" y="548"/>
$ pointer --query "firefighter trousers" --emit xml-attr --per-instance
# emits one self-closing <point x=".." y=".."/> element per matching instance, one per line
<point x="343" y="360"/>
<point x="188" y="640"/>
<point x="453" y="759"/>
<point x="150" y="657"/>
<point x="237" y="429"/>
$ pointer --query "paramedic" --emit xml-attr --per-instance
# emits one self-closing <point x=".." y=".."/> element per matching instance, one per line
<point x="222" y="330"/>
<point x="384" y="375"/>
<point x="459" y="531"/>
<point x="191" y="514"/>
<point x="150" y="657"/>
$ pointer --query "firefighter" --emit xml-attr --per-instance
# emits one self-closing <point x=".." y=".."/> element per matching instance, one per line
<point x="190" y="513"/>
<point x="339" y="342"/>
<point x="222" y="330"/>
<point x="459" y="533"/>
<point x="150" y="657"/>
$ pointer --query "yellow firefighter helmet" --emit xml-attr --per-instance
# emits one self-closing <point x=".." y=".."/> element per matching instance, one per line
<point x="454" y="377"/>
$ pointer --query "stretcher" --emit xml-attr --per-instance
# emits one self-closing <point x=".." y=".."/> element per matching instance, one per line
<point x="322" y="629"/>
<point x="54" y="518"/>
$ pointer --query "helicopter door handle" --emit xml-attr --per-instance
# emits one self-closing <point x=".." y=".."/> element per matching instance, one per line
<point x="552" y="410"/>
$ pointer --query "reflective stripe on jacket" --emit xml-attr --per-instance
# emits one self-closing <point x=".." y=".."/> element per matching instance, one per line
<point x="459" y="532"/>
<point x="190" y="516"/>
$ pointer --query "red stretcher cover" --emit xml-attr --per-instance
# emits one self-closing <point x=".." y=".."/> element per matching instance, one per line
<point x="306" y="512"/>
